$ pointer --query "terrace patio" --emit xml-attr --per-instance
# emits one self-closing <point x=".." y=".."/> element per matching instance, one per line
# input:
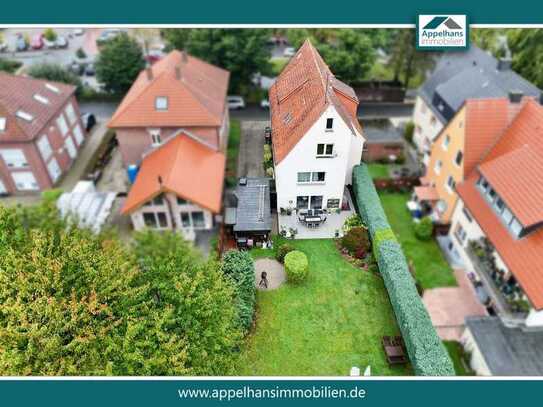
<point x="326" y="229"/>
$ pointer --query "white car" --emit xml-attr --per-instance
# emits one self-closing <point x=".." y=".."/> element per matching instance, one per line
<point x="235" y="102"/>
<point x="289" y="52"/>
<point x="265" y="104"/>
<point x="78" y="31"/>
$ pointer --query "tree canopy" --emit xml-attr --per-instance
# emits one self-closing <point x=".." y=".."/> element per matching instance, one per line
<point x="73" y="303"/>
<point x="55" y="73"/>
<point x="119" y="62"/>
<point x="526" y="47"/>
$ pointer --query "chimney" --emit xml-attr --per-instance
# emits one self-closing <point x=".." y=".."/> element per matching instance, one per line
<point x="515" y="96"/>
<point x="178" y="73"/>
<point x="149" y="71"/>
<point x="184" y="57"/>
<point x="504" y="64"/>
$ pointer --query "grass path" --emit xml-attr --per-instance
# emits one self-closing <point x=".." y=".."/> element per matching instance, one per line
<point x="431" y="268"/>
<point x="334" y="321"/>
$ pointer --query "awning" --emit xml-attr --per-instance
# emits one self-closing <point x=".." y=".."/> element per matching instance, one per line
<point x="426" y="193"/>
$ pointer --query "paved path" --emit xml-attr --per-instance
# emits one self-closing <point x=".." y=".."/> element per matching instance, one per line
<point x="449" y="306"/>
<point x="275" y="270"/>
<point x="251" y="149"/>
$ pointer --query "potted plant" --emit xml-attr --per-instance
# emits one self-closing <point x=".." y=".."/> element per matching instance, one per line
<point x="293" y="232"/>
<point x="336" y="233"/>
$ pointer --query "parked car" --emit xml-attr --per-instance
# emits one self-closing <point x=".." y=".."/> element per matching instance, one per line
<point x="289" y="52"/>
<point x="76" y="68"/>
<point x="62" y="42"/>
<point x="107" y="35"/>
<point x="88" y="120"/>
<point x="154" y="55"/>
<point x="37" y="41"/>
<point x="49" y="44"/>
<point x="265" y="104"/>
<point x="79" y="31"/>
<point x="89" y="70"/>
<point x="235" y="102"/>
<point x="20" y="43"/>
<point x="3" y="46"/>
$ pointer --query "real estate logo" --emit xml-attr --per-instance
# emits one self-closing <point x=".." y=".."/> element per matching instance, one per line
<point x="439" y="32"/>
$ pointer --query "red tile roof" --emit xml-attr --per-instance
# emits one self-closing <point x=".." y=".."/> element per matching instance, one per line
<point x="187" y="168"/>
<point x="196" y="93"/>
<point x="302" y="92"/>
<point x="17" y="94"/>
<point x="514" y="166"/>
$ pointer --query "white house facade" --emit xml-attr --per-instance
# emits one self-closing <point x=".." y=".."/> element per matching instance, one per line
<point x="314" y="173"/>
<point x="427" y="128"/>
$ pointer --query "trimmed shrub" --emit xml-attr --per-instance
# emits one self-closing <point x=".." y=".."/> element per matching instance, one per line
<point x="282" y="251"/>
<point x="296" y="266"/>
<point x="352" y="222"/>
<point x="426" y="351"/>
<point x="9" y="65"/>
<point x="356" y="242"/>
<point x="239" y="268"/>
<point x="424" y="228"/>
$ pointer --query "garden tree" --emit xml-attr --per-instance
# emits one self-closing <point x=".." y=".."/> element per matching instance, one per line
<point x="194" y="304"/>
<point x="119" y="63"/>
<point x="243" y="52"/>
<point x="405" y="60"/>
<point x="526" y="47"/>
<point x="349" y="53"/>
<point x="50" y="34"/>
<point x="492" y="40"/>
<point x="55" y="73"/>
<point x="73" y="303"/>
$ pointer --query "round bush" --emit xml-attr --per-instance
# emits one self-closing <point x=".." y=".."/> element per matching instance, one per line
<point x="296" y="266"/>
<point x="356" y="241"/>
<point x="282" y="251"/>
<point x="424" y="229"/>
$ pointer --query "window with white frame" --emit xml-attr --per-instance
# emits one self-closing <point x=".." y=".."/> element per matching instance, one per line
<point x="155" y="220"/>
<point x="3" y="122"/>
<point x="446" y="142"/>
<point x="460" y="233"/>
<point x="311" y="177"/>
<point x="54" y="170"/>
<point x="155" y="137"/>
<point x="318" y="176"/>
<point x="437" y="166"/>
<point x="325" y="150"/>
<point x="198" y="220"/>
<point x="304" y="177"/>
<point x="78" y="134"/>
<point x="458" y="158"/>
<point x="25" y="181"/>
<point x="70" y="113"/>
<point x="14" y="158"/>
<point x="161" y="103"/>
<point x="45" y="147"/>
<point x="62" y="126"/>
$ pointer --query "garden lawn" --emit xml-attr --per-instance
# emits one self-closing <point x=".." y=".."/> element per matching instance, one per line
<point x="326" y="325"/>
<point x="458" y="357"/>
<point x="232" y="152"/>
<point x="379" y="170"/>
<point x="431" y="269"/>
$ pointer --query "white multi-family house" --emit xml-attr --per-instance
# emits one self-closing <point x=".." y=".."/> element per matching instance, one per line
<point x="458" y="76"/>
<point x="316" y="140"/>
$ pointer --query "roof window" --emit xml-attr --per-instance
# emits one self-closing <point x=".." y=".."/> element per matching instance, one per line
<point x="161" y="103"/>
<point x="41" y="99"/>
<point x="24" y="115"/>
<point x="52" y="88"/>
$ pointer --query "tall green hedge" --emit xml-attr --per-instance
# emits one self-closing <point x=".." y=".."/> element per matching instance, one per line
<point x="426" y="351"/>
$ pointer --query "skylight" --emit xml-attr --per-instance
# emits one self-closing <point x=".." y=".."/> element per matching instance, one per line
<point x="2" y="123"/>
<point x="161" y="103"/>
<point x="24" y="115"/>
<point x="41" y="99"/>
<point x="52" y="88"/>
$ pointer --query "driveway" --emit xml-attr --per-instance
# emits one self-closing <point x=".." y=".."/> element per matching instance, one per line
<point x="251" y="149"/>
<point x="449" y="306"/>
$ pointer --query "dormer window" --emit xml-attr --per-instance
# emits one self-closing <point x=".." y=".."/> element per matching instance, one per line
<point x="329" y="124"/>
<point x="42" y="99"/>
<point x="27" y="117"/>
<point x="155" y="137"/>
<point x="3" y="122"/>
<point x="161" y="103"/>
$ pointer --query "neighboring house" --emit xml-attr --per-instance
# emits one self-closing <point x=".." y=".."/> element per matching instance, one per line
<point x="40" y="133"/>
<point x="316" y="137"/>
<point x="497" y="224"/>
<point x="498" y="350"/>
<point x="459" y="147"/>
<point x="384" y="141"/>
<point x="458" y="76"/>
<point x="173" y="126"/>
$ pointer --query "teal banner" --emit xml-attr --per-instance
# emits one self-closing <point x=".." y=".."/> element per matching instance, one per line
<point x="276" y="12"/>
<point x="165" y="393"/>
